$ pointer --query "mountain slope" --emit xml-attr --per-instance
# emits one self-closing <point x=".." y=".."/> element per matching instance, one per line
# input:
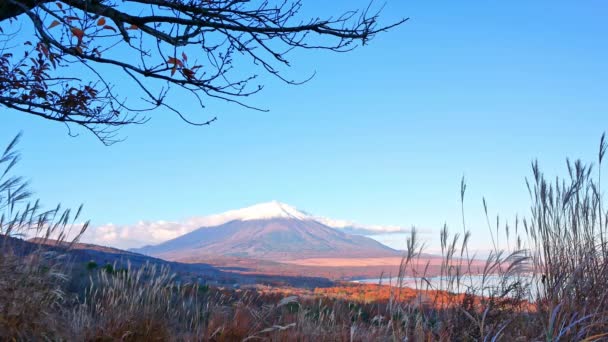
<point x="280" y="235"/>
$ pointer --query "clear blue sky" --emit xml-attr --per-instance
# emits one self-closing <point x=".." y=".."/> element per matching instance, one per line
<point x="381" y="135"/>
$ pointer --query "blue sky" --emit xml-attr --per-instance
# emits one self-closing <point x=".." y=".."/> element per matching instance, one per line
<point x="381" y="135"/>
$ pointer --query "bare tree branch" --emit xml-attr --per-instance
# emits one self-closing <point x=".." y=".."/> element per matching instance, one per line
<point x="231" y="41"/>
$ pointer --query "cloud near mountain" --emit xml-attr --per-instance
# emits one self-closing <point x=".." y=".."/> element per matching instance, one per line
<point x="153" y="232"/>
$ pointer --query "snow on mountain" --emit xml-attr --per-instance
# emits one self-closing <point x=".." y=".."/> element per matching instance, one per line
<point x="268" y="210"/>
<point x="275" y="209"/>
<point x="154" y="232"/>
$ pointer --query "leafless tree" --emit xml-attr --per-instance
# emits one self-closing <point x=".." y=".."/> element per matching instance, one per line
<point x="210" y="48"/>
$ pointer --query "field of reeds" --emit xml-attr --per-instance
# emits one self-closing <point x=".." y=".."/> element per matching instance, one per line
<point x="545" y="280"/>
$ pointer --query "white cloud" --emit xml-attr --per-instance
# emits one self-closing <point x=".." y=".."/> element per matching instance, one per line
<point x="139" y="234"/>
<point x="340" y="224"/>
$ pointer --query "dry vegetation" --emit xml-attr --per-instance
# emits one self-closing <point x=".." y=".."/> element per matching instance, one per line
<point x="549" y="282"/>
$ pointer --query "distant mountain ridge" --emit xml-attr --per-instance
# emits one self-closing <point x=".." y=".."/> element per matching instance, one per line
<point x="268" y="231"/>
<point x="79" y="246"/>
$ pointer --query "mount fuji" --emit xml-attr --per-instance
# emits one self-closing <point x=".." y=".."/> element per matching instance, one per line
<point x="270" y="231"/>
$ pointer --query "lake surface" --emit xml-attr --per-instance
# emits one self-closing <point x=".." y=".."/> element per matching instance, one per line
<point x="482" y="285"/>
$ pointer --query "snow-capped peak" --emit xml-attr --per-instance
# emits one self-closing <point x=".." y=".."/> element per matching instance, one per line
<point x="268" y="210"/>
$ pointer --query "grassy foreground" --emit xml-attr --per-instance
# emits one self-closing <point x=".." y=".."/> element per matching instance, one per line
<point x="547" y="279"/>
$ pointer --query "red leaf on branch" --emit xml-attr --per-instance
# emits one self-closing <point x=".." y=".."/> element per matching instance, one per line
<point x="78" y="33"/>
<point x="42" y="48"/>
<point x="101" y="22"/>
<point x="107" y="27"/>
<point x="188" y="73"/>
<point x="175" y="61"/>
<point x="52" y="59"/>
<point x="54" y="23"/>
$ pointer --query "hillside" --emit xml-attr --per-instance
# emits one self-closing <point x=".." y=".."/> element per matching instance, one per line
<point x="81" y="254"/>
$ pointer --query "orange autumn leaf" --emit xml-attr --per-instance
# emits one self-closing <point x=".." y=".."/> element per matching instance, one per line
<point x="101" y="22"/>
<point x="175" y="61"/>
<point x="78" y="33"/>
<point x="54" y="23"/>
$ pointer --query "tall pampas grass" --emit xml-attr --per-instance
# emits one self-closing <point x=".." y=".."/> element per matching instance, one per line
<point x="31" y="278"/>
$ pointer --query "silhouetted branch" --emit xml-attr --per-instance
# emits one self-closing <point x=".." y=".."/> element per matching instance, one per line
<point x="159" y="35"/>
